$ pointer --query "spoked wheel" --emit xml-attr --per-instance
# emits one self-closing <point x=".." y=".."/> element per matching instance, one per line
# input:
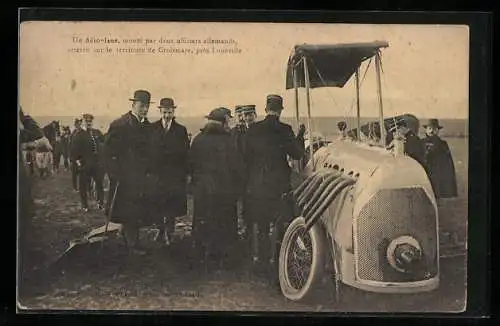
<point x="302" y="260"/>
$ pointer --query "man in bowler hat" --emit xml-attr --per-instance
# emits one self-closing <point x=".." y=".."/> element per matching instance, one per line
<point x="171" y="148"/>
<point x="267" y="144"/>
<point x="133" y="181"/>
<point x="439" y="161"/>
<point x="216" y="174"/>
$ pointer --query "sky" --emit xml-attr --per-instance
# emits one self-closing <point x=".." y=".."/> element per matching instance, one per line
<point x="426" y="69"/>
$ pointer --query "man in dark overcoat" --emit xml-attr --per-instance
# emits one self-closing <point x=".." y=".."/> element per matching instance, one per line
<point x="266" y="147"/>
<point x="86" y="149"/>
<point x="74" y="167"/>
<point x="216" y="174"/>
<point x="131" y="167"/>
<point x="439" y="161"/>
<point x="246" y="116"/>
<point x="171" y="149"/>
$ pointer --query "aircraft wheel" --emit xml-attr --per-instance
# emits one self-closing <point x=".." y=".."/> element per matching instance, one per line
<point x="302" y="261"/>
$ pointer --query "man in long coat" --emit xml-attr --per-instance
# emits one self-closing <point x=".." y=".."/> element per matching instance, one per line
<point x="246" y="116"/>
<point x="171" y="148"/>
<point x="440" y="166"/>
<point x="132" y="169"/>
<point x="86" y="149"/>
<point x="216" y="174"/>
<point x="74" y="167"/>
<point x="266" y="147"/>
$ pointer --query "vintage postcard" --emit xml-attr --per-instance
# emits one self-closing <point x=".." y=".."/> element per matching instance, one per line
<point x="228" y="166"/>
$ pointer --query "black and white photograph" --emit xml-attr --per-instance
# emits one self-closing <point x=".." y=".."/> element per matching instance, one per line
<point x="242" y="167"/>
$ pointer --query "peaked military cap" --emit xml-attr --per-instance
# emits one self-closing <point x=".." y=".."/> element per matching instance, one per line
<point x="248" y="108"/>
<point x="238" y="109"/>
<point x="167" y="103"/>
<point x="274" y="102"/>
<point x="141" y="96"/>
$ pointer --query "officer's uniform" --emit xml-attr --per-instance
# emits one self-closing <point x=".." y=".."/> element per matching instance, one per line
<point x="237" y="134"/>
<point x="86" y="148"/>
<point x="266" y="145"/>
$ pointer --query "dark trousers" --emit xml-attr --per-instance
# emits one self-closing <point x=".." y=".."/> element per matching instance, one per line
<point x="91" y="171"/>
<point x="261" y="214"/>
<point x="215" y="225"/>
<point x="74" y="175"/>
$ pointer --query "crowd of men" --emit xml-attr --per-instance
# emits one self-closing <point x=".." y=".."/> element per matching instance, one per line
<point x="152" y="166"/>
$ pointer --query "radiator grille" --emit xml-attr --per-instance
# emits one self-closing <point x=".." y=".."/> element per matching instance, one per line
<point x="389" y="214"/>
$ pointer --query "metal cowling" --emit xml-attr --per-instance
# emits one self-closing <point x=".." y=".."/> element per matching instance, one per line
<point x="388" y="215"/>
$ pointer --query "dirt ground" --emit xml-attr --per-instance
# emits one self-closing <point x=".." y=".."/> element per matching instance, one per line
<point x="105" y="277"/>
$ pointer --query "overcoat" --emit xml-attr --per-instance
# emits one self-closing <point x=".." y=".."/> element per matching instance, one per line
<point x="131" y="166"/>
<point x="440" y="167"/>
<point x="266" y="145"/>
<point x="82" y="147"/>
<point x="216" y="182"/>
<point x="414" y="147"/>
<point x="171" y="149"/>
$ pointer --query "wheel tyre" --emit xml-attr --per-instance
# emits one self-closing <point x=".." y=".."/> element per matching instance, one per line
<point x="315" y="280"/>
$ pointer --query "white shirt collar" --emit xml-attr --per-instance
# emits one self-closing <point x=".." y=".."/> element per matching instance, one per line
<point x="166" y="124"/>
<point x="137" y="117"/>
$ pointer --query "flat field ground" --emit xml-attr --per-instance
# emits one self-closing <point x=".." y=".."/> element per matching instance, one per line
<point x="105" y="278"/>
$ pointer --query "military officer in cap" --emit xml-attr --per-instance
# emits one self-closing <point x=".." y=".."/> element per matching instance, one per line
<point x="216" y="174"/>
<point x="133" y="182"/>
<point x="246" y="117"/>
<point x="267" y="144"/>
<point x="86" y="151"/>
<point x="171" y="148"/>
<point x="74" y="167"/>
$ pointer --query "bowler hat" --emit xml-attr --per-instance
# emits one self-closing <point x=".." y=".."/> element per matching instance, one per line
<point x="274" y="102"/>
<point x="219" y="114"/>
<point x="433" y="123"/>
<point x="141" y="96"/>
<point x="248" y="108"/>
<point x="167" y="103"/>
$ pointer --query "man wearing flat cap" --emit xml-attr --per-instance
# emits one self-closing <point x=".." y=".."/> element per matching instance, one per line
<point x="216" y="174"/>
<point x="133" y="181"/>
<point x="267" y="144"/>
<point x="439" y="161"/>
<point x="171" y="148"/>
<point x="86" y="151"/>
